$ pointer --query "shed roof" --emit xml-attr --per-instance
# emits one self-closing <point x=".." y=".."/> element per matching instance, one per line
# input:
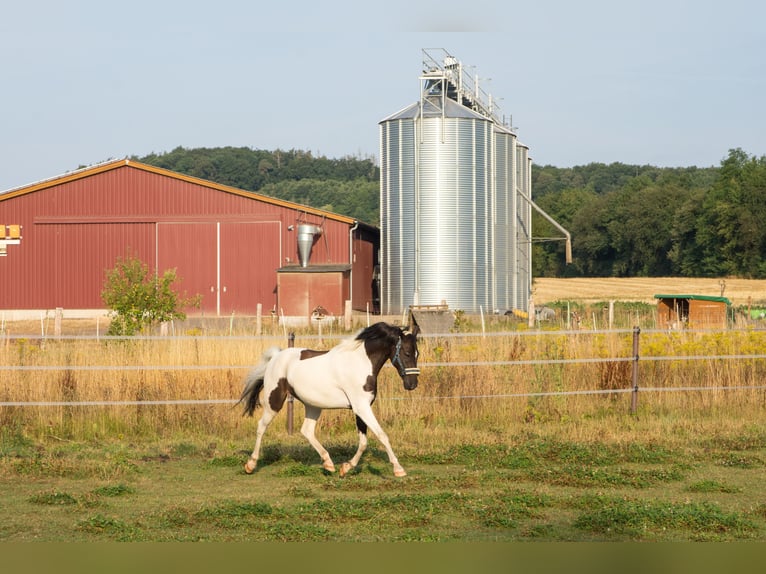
<point x="120" y="163"/>
<point x="695" y="297"/>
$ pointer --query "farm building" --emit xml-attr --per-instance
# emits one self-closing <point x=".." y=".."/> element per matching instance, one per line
<point x="695" y="311"/>
<point x="455" y="199"/>
<point x="236" y="249"/>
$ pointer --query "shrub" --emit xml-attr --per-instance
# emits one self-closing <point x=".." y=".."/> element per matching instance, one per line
<point x="139" y="299"/>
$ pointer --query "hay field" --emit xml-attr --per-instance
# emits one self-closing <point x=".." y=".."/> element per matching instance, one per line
<point x="643" y="289"/>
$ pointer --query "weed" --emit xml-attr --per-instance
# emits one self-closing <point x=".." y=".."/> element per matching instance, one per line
<point x="175" y="517"/>
<point x="297" y="491"/>
<point x="231" y="461"/>
<point x="185" y="449"/>
<point x="588" y="476"/>
<point x="639" y="519"/>
<point x="53" y="499"/>
<point x="296" y="530"/>
<point x="736" y="460"/>
<point x="110" y="527"/>
<point x="297" y="469"/>
<point x="232" y="514"/>
<point x="113" y="490"/>
<point x="712" y="486"/>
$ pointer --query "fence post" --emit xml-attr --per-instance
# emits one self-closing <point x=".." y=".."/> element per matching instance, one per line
<point x="290" y="398"/>
<point x="634" y="394"/>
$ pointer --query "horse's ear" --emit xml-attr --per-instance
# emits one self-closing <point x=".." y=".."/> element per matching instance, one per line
<point x="415" y="329"/>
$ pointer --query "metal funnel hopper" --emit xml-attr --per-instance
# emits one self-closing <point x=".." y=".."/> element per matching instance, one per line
<point x="306" y="235"/>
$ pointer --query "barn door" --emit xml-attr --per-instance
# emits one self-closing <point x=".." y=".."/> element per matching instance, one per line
<point x="249" y="259"/>
<point x="192" y="249"/>
<point x="232" y="265"/>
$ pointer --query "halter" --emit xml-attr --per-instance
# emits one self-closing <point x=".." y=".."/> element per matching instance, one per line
<point x="397" y="362"/>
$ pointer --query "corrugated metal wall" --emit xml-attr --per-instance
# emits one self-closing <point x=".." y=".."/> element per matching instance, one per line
<point x="398" y="215"/>
<point x="504" y="230"/>
<point x="225" y="246"/>
<point x="449" y="215"/>
<point x="523" y="228"/>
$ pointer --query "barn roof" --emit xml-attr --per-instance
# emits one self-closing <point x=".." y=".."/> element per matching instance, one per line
<point x="122" y="163"/>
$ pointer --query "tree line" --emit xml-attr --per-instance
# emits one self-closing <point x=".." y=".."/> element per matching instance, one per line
<point x="625" y="220"/>
<point x="629" y="221"/>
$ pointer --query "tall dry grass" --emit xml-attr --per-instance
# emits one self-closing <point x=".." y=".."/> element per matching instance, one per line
<point x="462" y="398"/>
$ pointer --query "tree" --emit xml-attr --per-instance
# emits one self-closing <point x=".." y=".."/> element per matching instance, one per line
<point x="139" y="299"/>
<point x="731" y="231"/>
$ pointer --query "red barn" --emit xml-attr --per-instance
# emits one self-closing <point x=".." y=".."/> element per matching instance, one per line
<point x="228" y="245"/>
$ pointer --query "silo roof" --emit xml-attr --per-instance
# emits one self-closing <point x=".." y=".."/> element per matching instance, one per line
<point x="430" y="109"/>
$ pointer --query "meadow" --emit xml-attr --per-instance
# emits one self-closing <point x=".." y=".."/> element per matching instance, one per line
<point x="512" y="435"/>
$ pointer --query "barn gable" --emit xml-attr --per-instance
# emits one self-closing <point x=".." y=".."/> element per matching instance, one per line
<point x="226" y="244"/>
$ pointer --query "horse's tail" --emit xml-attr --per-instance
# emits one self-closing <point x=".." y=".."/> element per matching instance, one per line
<point x="254" y="382"/>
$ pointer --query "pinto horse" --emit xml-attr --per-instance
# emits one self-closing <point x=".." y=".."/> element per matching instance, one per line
<point x="344" y="377"/>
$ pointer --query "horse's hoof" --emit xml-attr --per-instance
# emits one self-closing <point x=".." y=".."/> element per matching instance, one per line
<point x="345" y="468"/>
<point x="399" y="473"/>
<point x="329" y="467"/>
<point x="250" y="466"/>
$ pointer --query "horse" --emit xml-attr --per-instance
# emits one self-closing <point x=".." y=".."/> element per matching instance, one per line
<point x="344" y="377"/>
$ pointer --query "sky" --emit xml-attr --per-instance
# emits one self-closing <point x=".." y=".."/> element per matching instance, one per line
<point x="670" y="83"/>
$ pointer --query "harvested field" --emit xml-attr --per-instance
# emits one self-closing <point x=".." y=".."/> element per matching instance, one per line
<point x="643" y="289"/>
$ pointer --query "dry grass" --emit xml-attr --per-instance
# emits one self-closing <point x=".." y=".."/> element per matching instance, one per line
<point x="454" y="403"/>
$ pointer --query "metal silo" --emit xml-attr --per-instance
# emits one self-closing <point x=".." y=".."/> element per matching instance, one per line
<point x="455" y="209"/>
<point x="505" y="214"/>
<point x="523" y="226"/>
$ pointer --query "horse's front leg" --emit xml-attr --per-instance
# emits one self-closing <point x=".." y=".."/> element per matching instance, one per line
<point x="364" y="412"/>
<point x="307" y="430"/>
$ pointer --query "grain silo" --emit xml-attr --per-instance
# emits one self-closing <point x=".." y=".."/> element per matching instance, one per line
<point x="456" y="204"/>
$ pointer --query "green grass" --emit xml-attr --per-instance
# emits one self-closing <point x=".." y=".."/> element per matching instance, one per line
<point x="532" y="486"/>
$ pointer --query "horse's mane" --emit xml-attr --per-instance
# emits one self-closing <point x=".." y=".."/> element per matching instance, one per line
<point x="379" y="332"/>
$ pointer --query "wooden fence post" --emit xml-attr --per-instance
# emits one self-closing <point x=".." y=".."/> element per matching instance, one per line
<point x="290" y="398"/>
<point x="634" y="394"/>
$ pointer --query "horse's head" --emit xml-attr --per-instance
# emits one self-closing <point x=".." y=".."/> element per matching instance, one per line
<point x="405" y="358"/>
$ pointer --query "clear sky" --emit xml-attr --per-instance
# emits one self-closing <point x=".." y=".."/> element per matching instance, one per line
<point x="666" y="83"/>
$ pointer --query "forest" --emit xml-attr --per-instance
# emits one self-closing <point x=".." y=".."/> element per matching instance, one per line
<point x="625" y="220"/>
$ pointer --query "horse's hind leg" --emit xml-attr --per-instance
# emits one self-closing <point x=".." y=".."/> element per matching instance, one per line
<point x="275" y="395"/>
<point x="307" y="430"/>
<point x="346" y="467"/>
<point x="263" y="424"/>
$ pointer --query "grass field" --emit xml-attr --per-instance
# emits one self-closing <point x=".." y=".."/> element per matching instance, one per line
<point x="522" y="486"/>
<point x="492" y="453"/>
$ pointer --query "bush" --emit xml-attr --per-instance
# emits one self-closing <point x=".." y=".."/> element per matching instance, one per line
<point x="139" y="299"/>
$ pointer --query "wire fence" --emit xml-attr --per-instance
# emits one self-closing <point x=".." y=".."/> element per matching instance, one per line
<point x="635" y="361"/>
